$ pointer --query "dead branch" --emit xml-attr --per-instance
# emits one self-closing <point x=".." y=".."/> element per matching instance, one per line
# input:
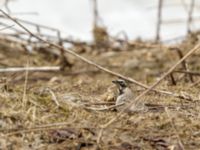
<point x="20" y="69"/>
<point x="184" y="63"/>
<point x="173" y="81"/>
<point x="190" y="13"/>
<point x="8" y="27"/>
<point x="44" y="35"/>
<point x="95" y="13"/>
<point x="33" y="24"/>
<point x="159" y="21"/>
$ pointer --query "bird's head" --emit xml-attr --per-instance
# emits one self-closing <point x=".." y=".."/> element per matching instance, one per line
<point x="121" y="84"/>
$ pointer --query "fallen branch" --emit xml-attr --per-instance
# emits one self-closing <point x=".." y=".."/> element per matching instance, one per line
<point x="20" y="69"/>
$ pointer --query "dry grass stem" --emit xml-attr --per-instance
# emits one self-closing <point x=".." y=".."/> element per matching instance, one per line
<point x="29" y="69"/>
<point x="25" y="99"/>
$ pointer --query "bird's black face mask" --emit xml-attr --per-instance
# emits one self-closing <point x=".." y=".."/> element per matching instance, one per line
<point x="121" y="85"/>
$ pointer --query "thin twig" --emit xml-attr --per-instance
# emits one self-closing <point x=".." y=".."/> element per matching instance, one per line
<point x="32" y="23"/>
<point x="180" y="55"/>
<point x="8" y="27"/>
<point x="101" y="103"/>
<point x="103" y="109"/>
<point x="24" y="99"/>
<point x="190" y="13"/>
<point x="21" y="69"/>
<point x="95" y="13"/>
<point x="184" y="63"/>
<point x="54" y="98"/>
<point x="159" y="21"/>
<point x="172" y="79"/>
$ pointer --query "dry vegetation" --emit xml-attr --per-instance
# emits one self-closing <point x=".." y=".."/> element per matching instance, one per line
<point x="43" y="110"/>
<point x="58" y="108"/>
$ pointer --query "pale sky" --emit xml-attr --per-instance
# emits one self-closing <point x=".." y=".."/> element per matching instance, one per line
<point x="74" y="17"/>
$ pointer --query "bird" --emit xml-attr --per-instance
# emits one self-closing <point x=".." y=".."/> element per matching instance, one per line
<point x="125" y="94"/>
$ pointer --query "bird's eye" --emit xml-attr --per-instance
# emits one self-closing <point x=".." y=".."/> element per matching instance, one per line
<point x="122" y="83"/>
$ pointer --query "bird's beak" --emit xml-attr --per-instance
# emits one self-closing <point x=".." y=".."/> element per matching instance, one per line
<point x="115" y="82"/>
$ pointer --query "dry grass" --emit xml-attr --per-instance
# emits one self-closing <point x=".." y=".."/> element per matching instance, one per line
<point x="36" y="110"/>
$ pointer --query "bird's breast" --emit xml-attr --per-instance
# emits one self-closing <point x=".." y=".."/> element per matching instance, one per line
<point x="127" y="95"/>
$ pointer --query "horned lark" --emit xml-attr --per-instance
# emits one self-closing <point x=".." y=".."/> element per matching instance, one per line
<point x="125" y="94"/>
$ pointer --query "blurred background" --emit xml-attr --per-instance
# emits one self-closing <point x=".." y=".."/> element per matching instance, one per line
<point x="137" y="18"/>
